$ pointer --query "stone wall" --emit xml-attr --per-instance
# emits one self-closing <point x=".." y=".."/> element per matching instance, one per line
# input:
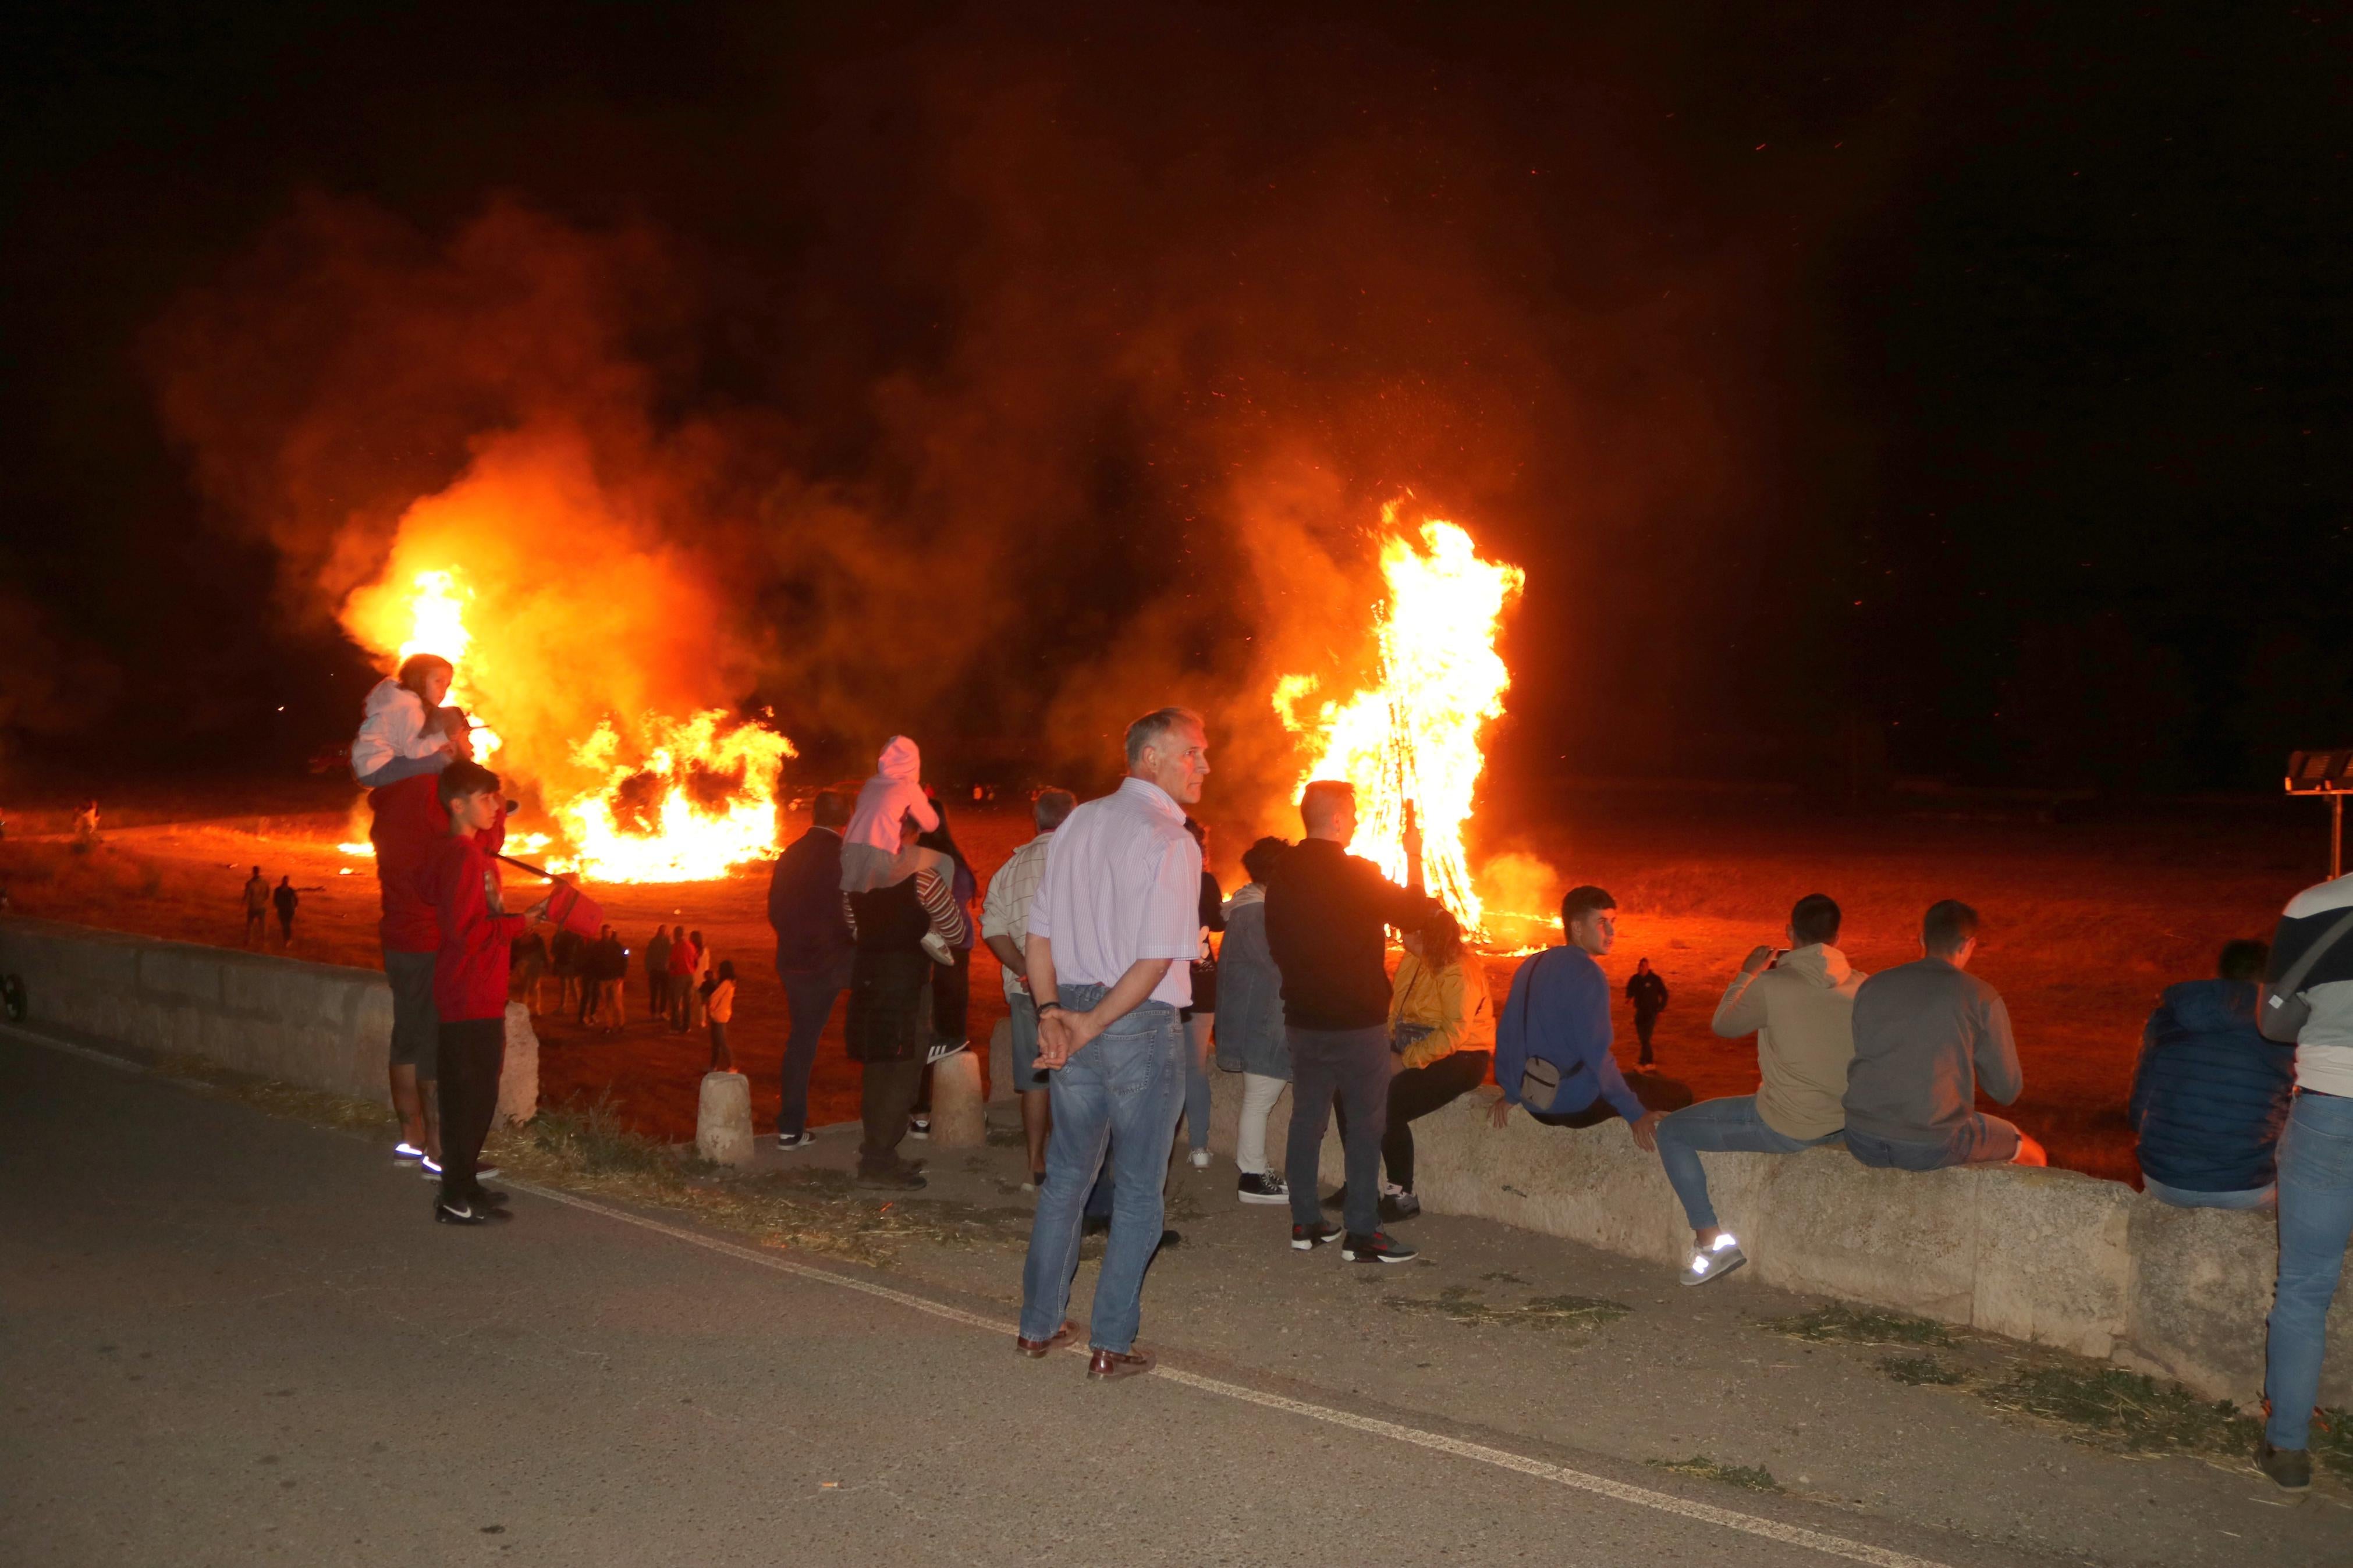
<point x="2053" y="1256"/>
<point x="316" y="1025"/>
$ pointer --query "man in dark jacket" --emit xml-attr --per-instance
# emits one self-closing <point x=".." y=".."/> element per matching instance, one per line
<point x="2210" y="1094"/>
<point x="1648" y="992"/>
<point x="1326" y="912"/>
<point x="813" y="950"/>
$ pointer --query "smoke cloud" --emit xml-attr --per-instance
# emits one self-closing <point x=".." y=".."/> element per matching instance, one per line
<point x="1051" y="383"/>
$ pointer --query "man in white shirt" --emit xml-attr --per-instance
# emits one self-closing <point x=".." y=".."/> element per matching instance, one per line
<point x="1005" y="927"/>
<point x="1112" y="930"/>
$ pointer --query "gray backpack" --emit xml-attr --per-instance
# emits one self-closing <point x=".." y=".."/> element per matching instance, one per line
<point x="2281" y="1011"/>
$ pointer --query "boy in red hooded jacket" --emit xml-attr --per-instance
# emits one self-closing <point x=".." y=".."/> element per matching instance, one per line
<point x="461" y="880"/>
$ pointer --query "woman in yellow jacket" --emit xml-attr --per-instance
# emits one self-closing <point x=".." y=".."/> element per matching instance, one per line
<point x="1442" y="1030"/>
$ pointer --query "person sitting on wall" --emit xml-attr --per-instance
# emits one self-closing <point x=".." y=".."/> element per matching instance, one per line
<point x="1552" y="1044"/>
<point x="1441" y="1042"/>
<point x="2210" y="1094"/>
<point x="1799" y="1004"/>
<point x="1927" y="1036"/>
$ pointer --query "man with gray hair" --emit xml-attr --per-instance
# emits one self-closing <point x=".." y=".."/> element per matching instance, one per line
<point x="1004" y="926"/>
<point x="1113" y="927"/>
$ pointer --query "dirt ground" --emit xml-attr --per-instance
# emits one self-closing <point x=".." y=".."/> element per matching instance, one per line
<point x="2085" y="922"/>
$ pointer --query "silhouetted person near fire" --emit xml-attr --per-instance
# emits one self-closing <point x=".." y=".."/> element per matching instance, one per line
<point x="657" y="975"/>
<point x="470" y="985"/>
<point x="813" y="951"/>
<point x="1927" y="1036"/>
<point x="85" y="823"/>
<point x="1200" y="1020"/>
<point x="683" y="960"/>
<point x="257" y="908"/>
<point x="285" y="900"/>
<point x="608" y="964"/>
<point x="1327" y="914"/>
<point x="1647" y="993"/>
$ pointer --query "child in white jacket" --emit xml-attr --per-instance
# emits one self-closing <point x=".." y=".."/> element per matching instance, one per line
<point x="871" y="844"/>
<point x="401" y="735"/>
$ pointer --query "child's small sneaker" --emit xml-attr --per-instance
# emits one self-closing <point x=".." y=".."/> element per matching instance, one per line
<point x="1256" y="1187"/>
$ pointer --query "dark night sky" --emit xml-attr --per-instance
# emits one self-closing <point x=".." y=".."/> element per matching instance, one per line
<point x="1974" y="378"/>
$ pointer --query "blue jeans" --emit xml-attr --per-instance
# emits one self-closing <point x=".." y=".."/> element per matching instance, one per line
<point x="1976" y="1140"/>
<point x="1197" y="1080"/>
<point x="1119" y="1094"/>
<point x="2183" y="1198"/>
<point x="1717" y="1126"/>
<point x="2315" y="1217"/>
<point x="808" y="999"/>
<point x="1355" y="1065"/>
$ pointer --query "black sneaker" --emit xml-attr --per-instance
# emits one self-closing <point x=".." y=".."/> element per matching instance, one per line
<point x="467" y="1211"/>
<point x="905" y="1179"/>
<point x="1256" y="1188"/>
<point x="919" y="1127"/>
<point x="1308" y="1237"/>
<point x="1396" y="1206"/>
<point x="795" y="1140"/>
<point x="2289" y="1468"/>
<point x="1375" y="1248"/>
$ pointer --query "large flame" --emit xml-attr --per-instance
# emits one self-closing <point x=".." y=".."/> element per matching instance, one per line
<point x="642" y="798"/>
<point x="1413" y="734"/>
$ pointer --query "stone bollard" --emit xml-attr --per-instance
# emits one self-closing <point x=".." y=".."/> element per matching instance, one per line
<point x="722" y="1127"/>
<point x="518" y="1074"/>
<point x="1000" y="1062"/>
<point x="958" y="1118"/>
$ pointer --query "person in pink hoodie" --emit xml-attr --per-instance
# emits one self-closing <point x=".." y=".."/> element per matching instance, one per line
<point x="871" y="844"/>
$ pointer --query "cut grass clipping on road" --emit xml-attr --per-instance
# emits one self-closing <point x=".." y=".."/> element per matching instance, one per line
<point x="1461" y="1304"/>
<point x="1748" y="1477"/>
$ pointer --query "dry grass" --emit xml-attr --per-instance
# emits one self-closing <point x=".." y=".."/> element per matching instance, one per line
<point x="1748" y="1477"/>
<point x="1846" y="1324"/>
<point x="1461" y="1304"/>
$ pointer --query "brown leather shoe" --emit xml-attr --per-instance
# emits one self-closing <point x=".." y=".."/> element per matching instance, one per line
<point x="1110" y="1364"/>
<point x="1038" y="1349"/>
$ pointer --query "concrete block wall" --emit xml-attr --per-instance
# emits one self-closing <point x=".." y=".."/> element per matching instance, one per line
<point x="318" y="1025"/>
<point x="2051" y="1257"/>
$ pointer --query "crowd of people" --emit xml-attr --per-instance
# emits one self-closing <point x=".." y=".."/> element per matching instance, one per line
<point x="1119" y="1000"/>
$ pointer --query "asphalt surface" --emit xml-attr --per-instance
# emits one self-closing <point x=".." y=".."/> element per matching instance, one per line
<point x="230" y="1338"/>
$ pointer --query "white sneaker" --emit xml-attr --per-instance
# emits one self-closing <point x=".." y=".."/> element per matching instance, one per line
<point x="405" y="1149"/>
<point x="943" y="1049"/>
<point x="1716" y="1262"/>
<point x="430" y="1166"/>
<point x="1201" y="1158"/>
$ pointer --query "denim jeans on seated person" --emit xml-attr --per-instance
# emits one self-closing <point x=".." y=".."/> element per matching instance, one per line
<point x="2183" y="1198"/>
<point x="2315" y="1218"/>
<point x="1717" y="1126"/>
<point x="1121" y="1093"/>
<point x="1979" y="1140"/>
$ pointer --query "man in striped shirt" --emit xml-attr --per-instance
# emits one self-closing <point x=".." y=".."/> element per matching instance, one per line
<point x="1004" y="926"/>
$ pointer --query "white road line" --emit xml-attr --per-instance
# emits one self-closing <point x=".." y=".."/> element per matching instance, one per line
<point x="1436" y="1442"/>
<point x="1480" y="1452"/>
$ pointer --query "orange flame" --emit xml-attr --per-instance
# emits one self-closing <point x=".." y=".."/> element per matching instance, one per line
<point x="648" y="799"/>
<point x="1414" y="734"/>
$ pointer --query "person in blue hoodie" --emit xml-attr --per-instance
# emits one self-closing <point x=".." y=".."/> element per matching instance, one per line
<point x="2210" y="1094"/>
<point x="1559" y="1012"/>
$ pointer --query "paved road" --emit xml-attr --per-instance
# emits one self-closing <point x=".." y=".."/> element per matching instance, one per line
<point x="229" y="1338"/>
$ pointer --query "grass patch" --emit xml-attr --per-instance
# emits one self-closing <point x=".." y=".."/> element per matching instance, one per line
<point x="1849" y="1326"/>
<point x="1921" y="1370"/>
<point x="2139" y="1413"/>
<point x="1748" y="1477"/>
<point x="1461" y="1304"/>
